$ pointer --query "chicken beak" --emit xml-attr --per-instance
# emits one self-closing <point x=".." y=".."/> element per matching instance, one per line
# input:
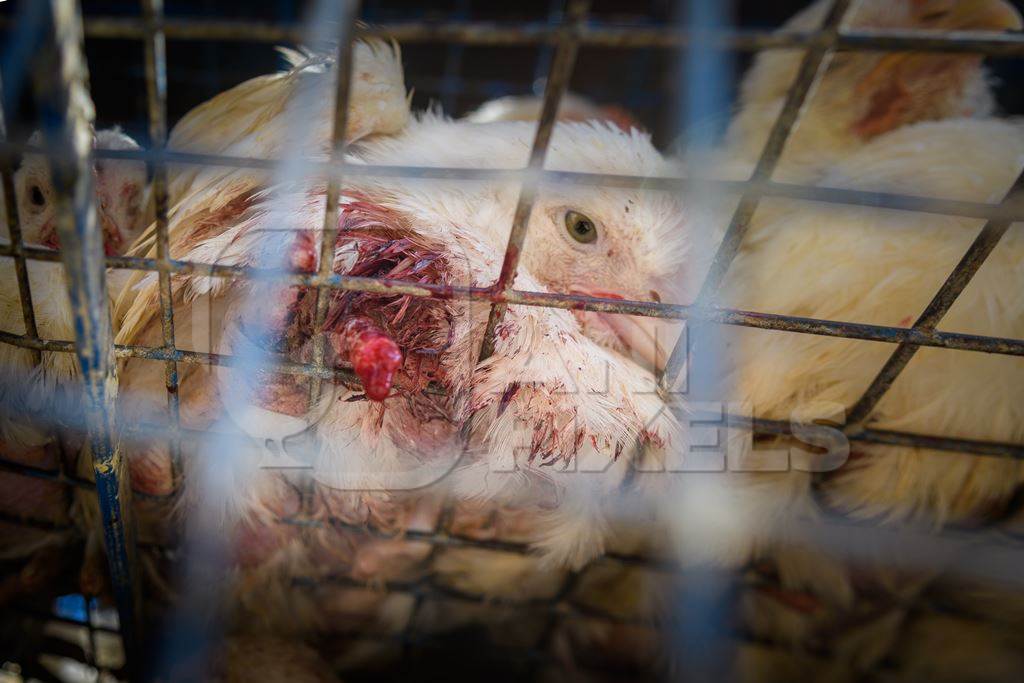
<point x="650" y="340"/>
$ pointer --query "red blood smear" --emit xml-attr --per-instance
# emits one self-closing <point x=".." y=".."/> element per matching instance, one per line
<point x="303" y="254"/>
<point x="374" y="355"/>
<point x="112" y="239"/>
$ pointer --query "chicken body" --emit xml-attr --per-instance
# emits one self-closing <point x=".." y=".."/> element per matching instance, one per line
<point x="516" y="402"/>
<point x="556" y="396"/>
<point x="121" y="194"/>
<point x="911" y="124"/>
<point x="558" y="392"/>
<point x="240" y="659"/>
<point x="883" y="267"/>
<point x="869" y="265"/>
<point x="572" y="108"/>
<point x="29" y="391"/>
<point x="862" y="95"/>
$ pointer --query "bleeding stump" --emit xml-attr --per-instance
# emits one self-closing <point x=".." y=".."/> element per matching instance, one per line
<point x="374" y="355"/>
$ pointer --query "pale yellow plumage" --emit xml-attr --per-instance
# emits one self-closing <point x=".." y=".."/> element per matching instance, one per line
<point x="121" y="196"/>
<point x="837" y="263"/>
<point x="861" y="95"/>
<point x="248" y="121"/>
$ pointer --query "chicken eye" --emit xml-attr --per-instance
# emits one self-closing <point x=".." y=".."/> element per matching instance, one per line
<point x="35" y="196"/>
<point x="580" y="228"/>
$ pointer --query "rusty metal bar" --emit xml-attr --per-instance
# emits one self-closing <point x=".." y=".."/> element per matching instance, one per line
<point x="558" y="82"/>
<point x="939" y="443"/>
<point x="890" y="438"/>
<point x="758" y="425"/>
<point x="940" y="304"/>
<point x="46" y="616"/>
<point x="590" y="34"/>
<point x="990" y="44"/>
<point x="37" y="344"/>
<point x="424" y="588"/>
<point x="562" y="607"/>
<point x="579" y="302"/>
<point x="923" y="332"/>
<point x="17" y="246"/>
<point x="63" y="89"/>
<point x="811" y="66"/>
<point x="156" y="101"/>
<point x="329" y="234"/>
<point x="764" y="187"/>
<point x="34" y="523"/>
<point x="223" y="360"/>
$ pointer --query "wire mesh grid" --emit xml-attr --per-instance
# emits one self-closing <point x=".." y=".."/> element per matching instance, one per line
<point x="83" y="256"/>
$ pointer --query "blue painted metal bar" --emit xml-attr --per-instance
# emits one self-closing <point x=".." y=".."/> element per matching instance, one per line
<point x="67" y="111"/>
<point x="701" y="604"/>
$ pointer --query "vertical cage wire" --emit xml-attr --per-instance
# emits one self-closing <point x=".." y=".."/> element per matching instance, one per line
<point x="329" y="234"/>
<point x="557" y="84"/>
<point x="28" y="314"/>
<point x="343" y="64"/>
<point x="65" y="97"/>
<point x="973" y="258"/>
<point x="156" y="105"/>
<point x="542" y="69"/>
<point x="811" y="67"/>
<point x="697" y="629"/>
<point x="818" y="46"/>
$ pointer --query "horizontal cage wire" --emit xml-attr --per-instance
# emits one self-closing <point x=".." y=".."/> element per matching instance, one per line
<point x="563" y="39"/>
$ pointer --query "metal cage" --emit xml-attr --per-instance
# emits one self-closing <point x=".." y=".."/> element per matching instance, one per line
<point x="83" y="257"/>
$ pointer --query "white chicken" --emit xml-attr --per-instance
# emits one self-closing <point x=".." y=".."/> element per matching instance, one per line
<point x="872" y="266"/>
<point x="532" y="408"/>
<point x="552" y="399"/>
<point x="121" y="194"/>
<point x="883" y="267"/>
<point x="862" y="95"/>
<point x="880" y="267"/>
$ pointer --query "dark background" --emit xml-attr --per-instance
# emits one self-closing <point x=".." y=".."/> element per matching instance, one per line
<point x="458" y="77"/>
